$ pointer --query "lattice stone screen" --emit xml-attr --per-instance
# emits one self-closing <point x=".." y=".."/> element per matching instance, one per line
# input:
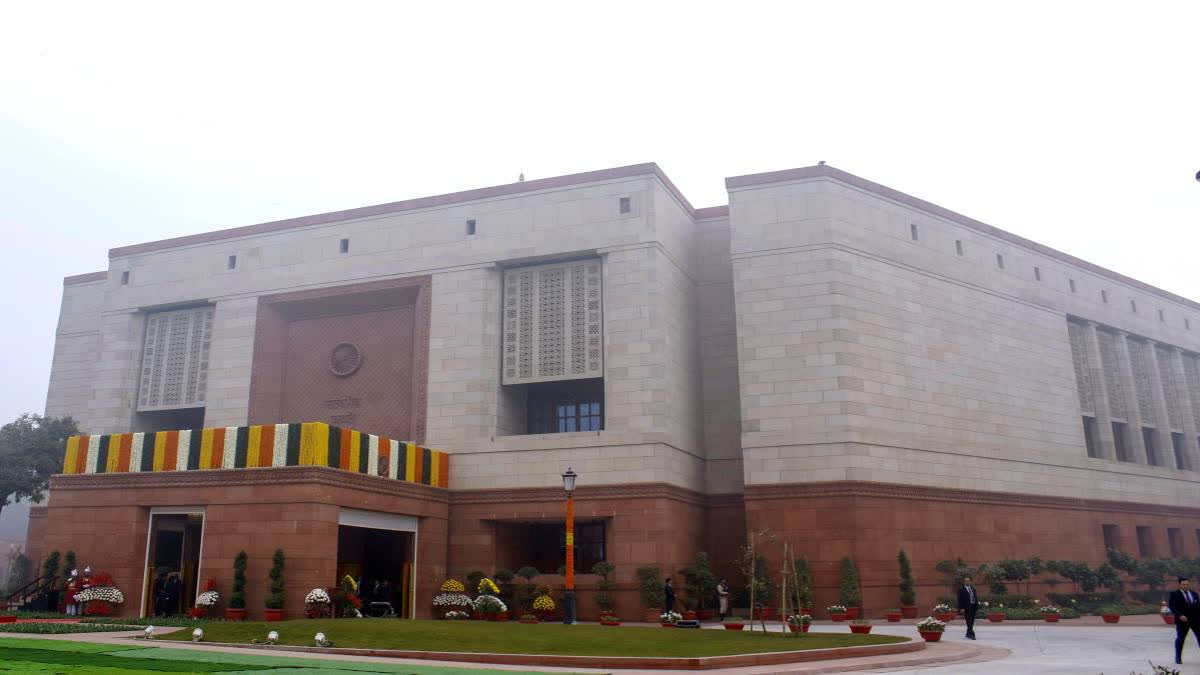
<point x="553" y="323"/>
<point x="1083" y="370"/>
<point x="175" y="359"/>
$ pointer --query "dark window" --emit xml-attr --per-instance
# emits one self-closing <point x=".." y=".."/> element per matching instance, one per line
<point x="1120" y="441"/>
<point x="573" y="405"/>
<point x="1089" y="436"/>
<point x="1175" y="541"/>
<point x="1187" y="324"/>
<point x="626" y="205"/>
<point x="1112" y="537"/>
<point x="1037" y="273"/>
<point x="1151" y="452"/>
<point x="1133" y="306"/>
<point x="1104" y="296"/>
<point x="545" y="545"/>
<point x="1177" y="446"/>
<point x="912" y="232"/>
<point x="1161" y="316"/>
<point x="344" y="246"/>
<point x="1145" y="542"/>
<point x="1071" y="283"/>
<point x="471" y="227"/>
<point x="125" y="278"/>
<point x="958" y="246"/>
<point x="999" y="261"/>
<point x="232" y="262"/>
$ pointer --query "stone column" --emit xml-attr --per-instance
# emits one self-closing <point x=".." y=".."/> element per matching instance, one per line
<point x="1104" y="436"/>
<point x="1136" y="446"/>
<point x="1162" y="426"/>
<point x="1191" y="448"/>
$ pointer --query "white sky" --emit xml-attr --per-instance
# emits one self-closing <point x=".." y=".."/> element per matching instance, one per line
<point x="1076" y="125"/>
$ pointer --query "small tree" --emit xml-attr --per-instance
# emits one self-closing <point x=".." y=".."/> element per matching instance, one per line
<point x="851" y="590"/>
<point x="764" y="585"/>
<point x="803" y="577"/>
<point x="31" y="450"/>
<point x="650" y="582"/>
<point x="605" y="586"/>
<point x="908" y="594"/>
<point x="275" y="597"/>
<point x="473" y="580"/>
<point x="504" y="579"/>
<point x="69" y="563"/>
<point x="699" y="581"/>
<point x="49" y="570"/>
<point x="18" y="570"/>
<point x="237" y="597"/>
<point x="525" y="591"/>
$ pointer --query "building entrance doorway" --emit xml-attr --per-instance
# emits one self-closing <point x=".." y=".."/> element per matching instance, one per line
<point x="172" y="562"/>
<point x="380" y="556"/>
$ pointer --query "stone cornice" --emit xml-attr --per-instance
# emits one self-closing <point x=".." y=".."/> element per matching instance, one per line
<point x="276" y="475"/>
<point x="923" y="493"/>
<point x="593" y="492"/>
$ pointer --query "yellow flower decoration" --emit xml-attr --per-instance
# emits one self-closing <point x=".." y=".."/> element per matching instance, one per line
<point x="486" y="585"/>
<point x="453" y="586"/>
<point x="543" y="603"/>
<point x="350" y="580"/>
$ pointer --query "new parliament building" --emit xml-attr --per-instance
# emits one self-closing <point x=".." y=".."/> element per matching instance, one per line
<point x="394" y="391"/>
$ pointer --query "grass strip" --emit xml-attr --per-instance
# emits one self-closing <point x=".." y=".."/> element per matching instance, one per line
<point x="547" y="638"/>
<point x="60" y="628"/>
<point x="95" y="660"/>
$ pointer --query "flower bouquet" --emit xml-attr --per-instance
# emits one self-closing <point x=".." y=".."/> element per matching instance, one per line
<point x="943" y="612"/>
<point x="351" y="605"/>
<point x="447" y="602"/>
<point x="668" y="619"/>
<point x="206" y="600"/>
<point x="543" y="606"/>
<point x="490" y="607"/>
<point x="316" y="604"/>
<point x="799" y="623"/>
<point x="99" y="600"/>
<point x="837" y="612"/>
<point x="488" y="587"/>
<point x="453" y="586"/>
<point x="931" y="629"/>
<point x="1050" y="613"/>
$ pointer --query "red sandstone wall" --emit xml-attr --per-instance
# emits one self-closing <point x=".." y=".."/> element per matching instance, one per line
<point x="35" y="535"/>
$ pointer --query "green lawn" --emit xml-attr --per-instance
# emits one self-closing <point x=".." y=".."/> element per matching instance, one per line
<point x="515" y="638"/>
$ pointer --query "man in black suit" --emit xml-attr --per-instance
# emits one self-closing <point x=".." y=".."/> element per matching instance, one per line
<point x="1185" y="605"/>
<point x="968" y="604"/>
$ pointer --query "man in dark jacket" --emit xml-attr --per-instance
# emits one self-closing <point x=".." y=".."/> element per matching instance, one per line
<point x="1185" y="605"/>
<point x="968" y="604"/>
<point x="668" y="596"/>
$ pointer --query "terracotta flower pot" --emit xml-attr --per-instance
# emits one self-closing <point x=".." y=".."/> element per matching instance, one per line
<point x="235" y="614"/>
<point x="908" y="611"/>
<point x="730" y="625"/>
<point x="667" y="624"/>
<point x="853" y="612"/>
<point x="274" y="614"/>
<point x="838" y="617"/>
<point x="705" y="614"/>
<point x="610" y="623"/>
<point x="995" y="617"/>
<point x="528" y="620"/>
<point x="1168" y="618"/>
<point x="893" y="617"/>
<point x="1110" y="618"/>
<point x="1051" y="618"/>
<point x="8" y="619"/>
<point x="946" y="617"/>
<point x="931" y="635"/>
<point x="860" y="628"/>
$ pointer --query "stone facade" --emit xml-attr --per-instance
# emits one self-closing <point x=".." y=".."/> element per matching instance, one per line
<point x="779" y="361"/>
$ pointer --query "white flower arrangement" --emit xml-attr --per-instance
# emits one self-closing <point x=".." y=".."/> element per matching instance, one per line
<point x="110" y="594"/>
<point x="490" y="604"/>
<point x="836" y="609"/>
<point x="670" y="617"/>
<point x="455" y="615"/>
<point x="1164" y="610"/>
<point x="452" y="600"/>
<point x="931" y="625"/>
<point x="317" y="596"/>
<point x="942" y="608"/>
<point x="207" y="599"/>
<point x="1049" y="609"/>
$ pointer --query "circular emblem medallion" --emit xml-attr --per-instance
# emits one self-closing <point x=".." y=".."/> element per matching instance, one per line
<point x="345" y="359"/>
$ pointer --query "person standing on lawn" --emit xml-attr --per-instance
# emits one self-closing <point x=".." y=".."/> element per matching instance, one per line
<point x="968" y="604"/>
<point x="1185" y="605"/>
<point x="668" y="596"/>
<point x="723" y="598"/>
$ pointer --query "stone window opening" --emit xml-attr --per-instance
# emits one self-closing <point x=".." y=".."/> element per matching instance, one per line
<point x="1145" y="540"/>
<point x="1175" y="541"/>
<point x="913" y="233"/>
<point x="958" y="247"/>
<point x="470" y="227"/>
<point x="125" y="278"/>
<point x="625" y="205"/>
<point x="543" y="545"/>
<point x="1037" y="273"/>
<point x="1104" y="296"/>
<point x="1089" y="436"/>
<point x="1161" y="316"/>
<point x="1071" y="283"/>
<point x="1121" y="441"/>
<point x="344" y="246"/>
<point x="563" y="407"/>
<point x="1112" y="537"/>
<point x="1187" y="324"/>
<point x="1151" y="451"/>
<point x="231" y="262"/>
<point x="1000" y="260"/>
<point x="1177" y="446"/>
<point x="1133" y="306"/>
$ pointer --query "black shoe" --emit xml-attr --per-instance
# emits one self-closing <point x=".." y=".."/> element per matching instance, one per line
<point x="1179" y="662"/>
<point x="970" y="637"/>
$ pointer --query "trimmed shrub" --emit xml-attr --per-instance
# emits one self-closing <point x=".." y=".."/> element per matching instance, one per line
<point x="908" y="594"/>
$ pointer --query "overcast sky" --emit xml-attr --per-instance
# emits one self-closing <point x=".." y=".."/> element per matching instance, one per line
<point x="1072" y="125"/>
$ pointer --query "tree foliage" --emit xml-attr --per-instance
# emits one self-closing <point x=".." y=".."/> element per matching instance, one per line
<point x="275" y="596"/>
<point x="650" y="582"/>
<point x="604" y="585"/>
<point x="699" y="581"/>
<point x="851" y="586"/>
<point x="31" y="450"/>
<point x="908" y="593"/>
<point x="803" y="576"/>
<point x="237" y="597"/>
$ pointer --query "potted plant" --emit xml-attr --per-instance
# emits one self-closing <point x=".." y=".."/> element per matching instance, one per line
<point x="317" y="604"/>
<point x="734" y="623"/>
<point x="1165" y="612"/>
<point x="931" y="629"/>
<point x="893" y="614"/>
<point x="701" y="586"/>
<point x="237" y="598"/>
<point x="528" y="618"/>
<point x="762" y="587"/>
<point x="455" y="615"/>
<point x="1050" y="613"/>
<point x="206" y="600"/>
<point x="650" y="585"/>
<point x="837" y="612"/>
<point x="543" y="606"/>
<point x="274" y="601"/>
<point x="490" y="607"/>
<point x="851" y="589"/>
<point x="668" y="619"/>
<point x="604" y="587"/>
<point x="943" y="612"/>
<point x="908" y="595"/>
<point x="860" y="626"/>
<point x="1110" y="613"/>
<point x="803" y="577"/>
<point x="799" y="623"/>
<point x="997" y="614"/>
<point x="609" y="619"/>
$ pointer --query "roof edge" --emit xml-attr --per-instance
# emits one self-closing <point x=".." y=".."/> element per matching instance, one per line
<point x="84" y="278"/>
<point x="826" y="171"/>
<point x="629" y="171"/>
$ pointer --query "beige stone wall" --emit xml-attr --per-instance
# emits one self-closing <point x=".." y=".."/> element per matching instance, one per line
<point x="76" y="344"/>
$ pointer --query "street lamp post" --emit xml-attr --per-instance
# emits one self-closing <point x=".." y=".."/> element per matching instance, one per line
<point x="569" y="599"/>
